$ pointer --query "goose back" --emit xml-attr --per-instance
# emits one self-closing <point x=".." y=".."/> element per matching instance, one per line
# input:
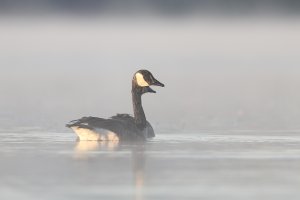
<point x="118" y="127"/>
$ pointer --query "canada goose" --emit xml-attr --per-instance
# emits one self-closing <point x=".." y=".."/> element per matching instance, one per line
<point x="121" y="126"/>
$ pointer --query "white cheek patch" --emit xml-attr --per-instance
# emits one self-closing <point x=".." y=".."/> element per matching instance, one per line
<point x="140" y="80"/>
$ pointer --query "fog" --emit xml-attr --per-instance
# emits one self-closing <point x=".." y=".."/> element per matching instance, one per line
<point x="226" y="65"/>
<point x="226" y="124"/>
<point x="220" y="73"/>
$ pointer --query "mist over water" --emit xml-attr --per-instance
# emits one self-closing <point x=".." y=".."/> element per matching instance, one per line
<point x="226" y="124"/>
<point x="220" y="73"/>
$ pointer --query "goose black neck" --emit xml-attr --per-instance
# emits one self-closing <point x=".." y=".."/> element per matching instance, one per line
<point x="139" y="115"/>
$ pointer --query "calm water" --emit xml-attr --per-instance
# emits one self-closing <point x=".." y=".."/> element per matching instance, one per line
<point x="219" y="165"/>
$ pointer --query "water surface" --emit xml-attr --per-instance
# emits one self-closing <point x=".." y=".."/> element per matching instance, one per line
<point x="200" y="165"/>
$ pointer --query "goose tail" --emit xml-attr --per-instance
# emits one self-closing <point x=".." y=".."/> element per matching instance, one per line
<point x="76" y="122"/>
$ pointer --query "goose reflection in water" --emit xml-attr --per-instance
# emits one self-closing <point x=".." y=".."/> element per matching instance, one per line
<point x="84" y="147"/>
<point x="84" y="150"/>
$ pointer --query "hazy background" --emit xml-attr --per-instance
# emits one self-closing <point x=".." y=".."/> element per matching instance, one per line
<point x="226" y="64"/>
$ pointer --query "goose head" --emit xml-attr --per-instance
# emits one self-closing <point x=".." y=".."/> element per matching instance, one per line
<point x="142" y="81"/>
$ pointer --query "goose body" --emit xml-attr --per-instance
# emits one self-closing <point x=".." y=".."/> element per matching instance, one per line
<point x="121" y="126"/>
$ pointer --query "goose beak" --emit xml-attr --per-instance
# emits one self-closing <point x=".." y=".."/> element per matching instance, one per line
<point x="157" y="83"/>
<point x="149" y="89"/>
